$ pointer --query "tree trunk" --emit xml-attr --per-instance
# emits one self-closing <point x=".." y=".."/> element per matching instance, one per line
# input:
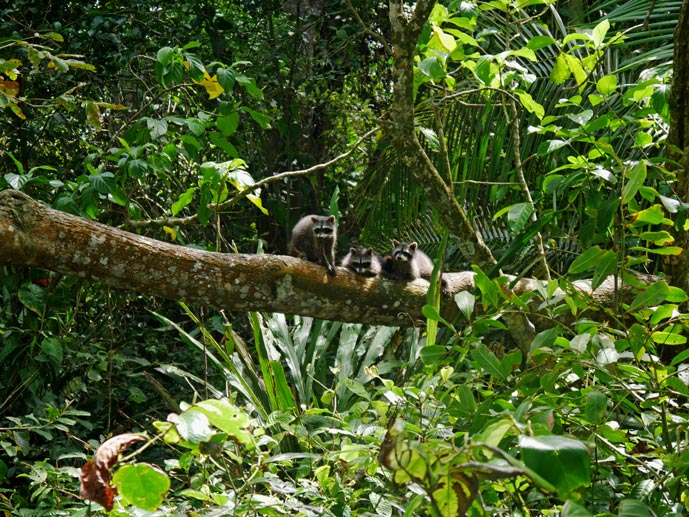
<point x="677" y="266"/>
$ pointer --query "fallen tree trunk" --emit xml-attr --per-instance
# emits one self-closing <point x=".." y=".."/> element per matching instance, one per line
<point x="35" y="235"/>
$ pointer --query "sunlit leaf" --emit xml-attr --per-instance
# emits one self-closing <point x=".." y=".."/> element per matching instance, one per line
<point x="143" y="485"/>
<point x="563" y="461"/>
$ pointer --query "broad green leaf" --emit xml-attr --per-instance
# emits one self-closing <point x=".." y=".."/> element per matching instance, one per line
<point x="432" y="354"/>
<point x="489" y="291"/>
<point x="33" y="298"/>
<point x="518" y="216"/>
<point x="165" y="55"/>
<point x="493" y="433"/>
<point x="455" y="493"/>
<point x="572" y="509"/>
<point x="183" y="200"/>
<point x="357" y="388"/>
<point x="660" y="238"/>
<point x="607" y="84"/>
<point x="446" y="41"/>
<point x="488" y="362"/>
<point x="582" y="117"/>
<point x="560" y="71"/>
<point x="530" y="104"/>
<point x="545" y="338"/>
<point x="563" y="461"/>
<point x="227" y="417"/>
<point x="431" y="67"/>
<point x="606" y="266"/>
<point x="642" y="139"/>
<point x="538" y="42"/>
<point x="465" y="302"/>
<point x="599" y="32"/>
<point x="637" y="176"/>
<point x="586" y="261"/>
<point x="651" y="215"/>
<point x="668" y="338"/>
<point x="192" y="425"/>
<point x="52" y="348"/>
<point x="143" y="485"/>
<point x="483" y="69"/>
<point x="576" y="68"/>
<point x="430" y="312"/>
<point x="260" y="118"/>
<point x="633" y="508"/>
<point x="228" y="124"/>
<point x="652" y="295"/>
<point x="104" y="183"/>
<point x="596" y="408"/>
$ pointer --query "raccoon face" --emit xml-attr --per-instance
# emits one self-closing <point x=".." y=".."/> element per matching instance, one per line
<point x="361" y="260"/>
<point x="403" y="252"/>
<point x="323" y="227"/>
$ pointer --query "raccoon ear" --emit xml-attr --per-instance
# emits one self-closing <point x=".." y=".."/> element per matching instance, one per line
<point x="314" y="218"/>
<point x="352" y="250"/>
<point x="395" y="242"/>
<point x="413" y="245"/>
<point x="369" y="251"/>
<point x="331" y="218"/>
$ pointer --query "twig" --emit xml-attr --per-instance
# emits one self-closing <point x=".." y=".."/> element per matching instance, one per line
<point x="176" y="221"/>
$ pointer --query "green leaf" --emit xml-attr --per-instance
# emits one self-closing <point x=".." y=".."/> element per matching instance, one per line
<point x="141" y="485"/>
<point x="586" y="261"/>
<point x="432" y="354"/>
<point x="563" y="461"/>
<point x="165" y="55"/>
<point x="633" y="508"/>
<point x="582" y="117"/>
<point x="599" y="32"/>
<point x="652" y="295"/>
<point x="228" y="124"/>
<point x="494" y="432"/>
<point x="572" y="509"/>
<point x="489" y="291"/>
<point x="430" y="312"/>
<point x="668" y="338"/>
<point x="576" y="68"/>
<point x="52" y="348"/>
<point x="530" y="104"/>
<point x="192" y="425"/>
<point x="560" y="71"/>
<point x="607" y="84"/>
<point x="637" y="176"/>
<point x="103" y="183"/>
<point x="465" y="302"/>
<point x="183" y="200"/>
<point x="260" y="118"/>
<point x="606" y="266"/>
<point x="488" y="362"/>
<point x="227" y="417"/>
<point x="651" y="215"/>
<point x="431" y="67"/>
<point x="545" y="338"/>
<point x="33" y="298"/>
<point x="596" y="408"/>
<point x="538" y="42"/>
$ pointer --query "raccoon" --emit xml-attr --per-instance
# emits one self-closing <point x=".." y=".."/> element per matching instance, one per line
<point x="314" y="238"/>
<point x="407" y="262"/>
<point x="363" y="261"/>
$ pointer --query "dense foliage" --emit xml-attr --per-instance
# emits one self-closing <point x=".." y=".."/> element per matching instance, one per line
<point x="550" y="125"/>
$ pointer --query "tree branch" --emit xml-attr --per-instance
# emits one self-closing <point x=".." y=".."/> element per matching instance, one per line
<point x="34" y="235"/>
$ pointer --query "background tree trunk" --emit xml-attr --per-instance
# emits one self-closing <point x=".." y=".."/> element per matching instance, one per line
<point x="677" y="266"/>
